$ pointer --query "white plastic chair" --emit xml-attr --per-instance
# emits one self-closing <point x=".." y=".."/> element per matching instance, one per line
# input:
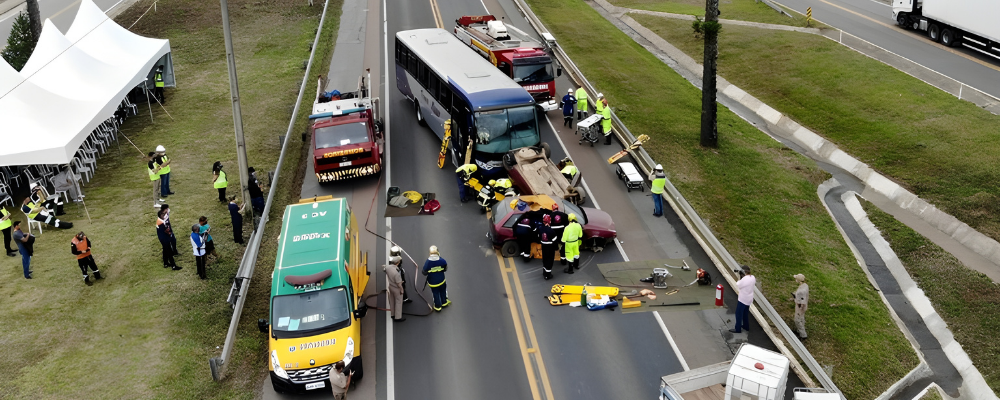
<point x="84" y="172"/>
<point x="31" y="221"/>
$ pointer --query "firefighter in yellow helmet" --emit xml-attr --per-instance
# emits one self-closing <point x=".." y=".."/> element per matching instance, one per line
<point x="464" y="173"/>
<point x="571" y="238"/>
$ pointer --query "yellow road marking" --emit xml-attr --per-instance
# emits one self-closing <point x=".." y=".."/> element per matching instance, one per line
<point x="437" y="14"/>
<point x="519" y="330"/>
<point x="940" y="46"/>
<point x="531" y="333"/>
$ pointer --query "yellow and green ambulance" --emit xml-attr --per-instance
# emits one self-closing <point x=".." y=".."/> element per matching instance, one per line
<point x="316" y="296"/>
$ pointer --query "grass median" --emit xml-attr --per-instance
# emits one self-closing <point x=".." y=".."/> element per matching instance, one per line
<point x="940" y="148"/>
<point x="145" y="331"/>
<point x="742" y="10"/>
<point x="757" y="195"/>
<point x="967" y="300"/>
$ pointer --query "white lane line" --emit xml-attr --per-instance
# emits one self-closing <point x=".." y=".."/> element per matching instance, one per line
<point x="680" y="357"/>
<point x="677" y="351"/>
<point x="390" y="354"/>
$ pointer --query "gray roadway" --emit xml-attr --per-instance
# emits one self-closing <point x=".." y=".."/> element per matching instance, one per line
<point x="61" y="12"/>
<point x="872" y="21"/>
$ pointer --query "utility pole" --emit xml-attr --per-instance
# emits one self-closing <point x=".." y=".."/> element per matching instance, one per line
<point x="234" y="89"/>
<point x="709" y="107"/>
<point x="34" y="18"/>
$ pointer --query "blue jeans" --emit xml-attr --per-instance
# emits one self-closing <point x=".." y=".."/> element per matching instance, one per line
<point x="165" y="184"/>
<point x="440" y="294"/>
<point x="461" y="186"/>
<point x="258" y="205"/>
<point x="742" y="317"/>
<point x="657" y="204"/>
<point x="26" y="263"/>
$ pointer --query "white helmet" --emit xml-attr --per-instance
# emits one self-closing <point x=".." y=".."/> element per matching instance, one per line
<point x="160" y="149"/>
<point x="394" y="250"/>
<point x="658" y="167"/>
<point x="434" y="250"/>
<point x="600" y="95"/>
<point x="570" y="90"/>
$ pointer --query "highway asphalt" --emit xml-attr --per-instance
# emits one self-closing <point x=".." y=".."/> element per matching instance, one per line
<point x="872" y="20"/>
<point x="61" y="12"/>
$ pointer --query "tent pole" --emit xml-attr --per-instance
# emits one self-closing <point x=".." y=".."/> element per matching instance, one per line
<point x="148" y="104"/>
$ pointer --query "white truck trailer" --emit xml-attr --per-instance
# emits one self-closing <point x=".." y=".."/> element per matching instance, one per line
<point x="969" y="23"/>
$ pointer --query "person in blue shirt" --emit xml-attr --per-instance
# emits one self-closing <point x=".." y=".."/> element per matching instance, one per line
<point x="198" y="246"/>
<point x="206" y="231"/>
<point x="568" y="106"/>
<point x="434" y="269"/>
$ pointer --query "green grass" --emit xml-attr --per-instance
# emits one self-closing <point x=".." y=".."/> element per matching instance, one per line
<point x="147" y="332"/>
<point x="940" y="148"/>
<point x="968" y="301"/>
<point x="757" y="196"/>
<point x="931" y="394"/>
<point x="742" y="10"/>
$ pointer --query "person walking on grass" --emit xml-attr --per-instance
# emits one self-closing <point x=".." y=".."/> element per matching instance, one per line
<point x="206" y="231"/>
<point x="165" y="235"/>
<point x="5" y="225"/>
<point x="801" y="298"/>
<point x="25" y="246"/>
<point x="256" y="193"/>
<point x="219" y="181"/>
<point x="154" y="176"/>
<point x="434" y="269"/>
<point x="163" y="169"/>
<point x="170" y="228"/>
<point x="236" y="214"/>
<point x="198" y="245"/>
<point x="745" y="300"/>
<point x="80" y="247"/>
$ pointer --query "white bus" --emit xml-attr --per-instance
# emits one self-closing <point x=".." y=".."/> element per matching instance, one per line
<point x="447" y="80"/>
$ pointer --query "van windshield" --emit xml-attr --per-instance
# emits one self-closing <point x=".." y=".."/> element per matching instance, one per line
<point x="310" y="313"/>
<point x="499" y="131"/>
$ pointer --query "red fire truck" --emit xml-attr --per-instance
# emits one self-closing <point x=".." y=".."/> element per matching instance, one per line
<point x="514" y="52"/>
<point x="346" y="130"/>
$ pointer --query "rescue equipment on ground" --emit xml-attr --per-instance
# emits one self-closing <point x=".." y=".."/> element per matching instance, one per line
<point x="634" y="146"/>
<point x="590" y="129"/>
<point x="627" y="172"/>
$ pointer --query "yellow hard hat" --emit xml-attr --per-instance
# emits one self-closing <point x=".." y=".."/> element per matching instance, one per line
<point x="493" y="182"/>
<point x="572" y="216"/>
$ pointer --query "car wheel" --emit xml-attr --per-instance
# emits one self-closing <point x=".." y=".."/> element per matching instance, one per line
<point x="420" y="115"/>
<point x="934" y="32"/>
<point x="597" y="244"/>
<point x="508" y="159"/>
<point x="948" y="37"/>
<point x="358" y="367"/>
<point x="277" y="389"/>
<point x="902" y="21"/>
<point x="509" y="249"/>
<point x="547" y="150"/>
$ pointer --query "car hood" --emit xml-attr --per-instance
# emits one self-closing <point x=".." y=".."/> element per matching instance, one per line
<point x="598" y="220"/>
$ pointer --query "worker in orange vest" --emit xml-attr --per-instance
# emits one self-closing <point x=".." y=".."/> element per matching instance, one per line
<point x="80" y="246"/>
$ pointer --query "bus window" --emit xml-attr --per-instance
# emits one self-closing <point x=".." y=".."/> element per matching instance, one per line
<point x="444" y="95"/>
<point x="432" y="88"/>
<point x="411" y="64"/>
<point x="422" y="74"/>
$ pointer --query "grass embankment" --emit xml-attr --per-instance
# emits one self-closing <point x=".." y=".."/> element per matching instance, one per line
<point x="758" y="196"/>
<point x="967" y="300"/>
<point x="144" y="331"/>
<point x="742" y="10"/>
<point x="940" y="148"/>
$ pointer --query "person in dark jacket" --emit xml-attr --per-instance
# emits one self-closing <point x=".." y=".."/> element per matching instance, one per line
<point x="547" y="236"/>
<point x="524" y="233"/>
<point x="568" y="106"/>
<point x="236" y="213"/>
<point x="434" y="269"/>
<point x="559" y="221"/>
<point x="80" y="247"/>
<point x="166" y="237"/>
<point x="256" y="193"/>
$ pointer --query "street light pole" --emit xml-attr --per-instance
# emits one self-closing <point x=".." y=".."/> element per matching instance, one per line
<point x="241" y="147"/>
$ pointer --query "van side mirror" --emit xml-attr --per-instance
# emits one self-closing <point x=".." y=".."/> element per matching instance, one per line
<point x="559" y="71"/>
<point x="262" y="325"/>
<point x="361" y="311"/>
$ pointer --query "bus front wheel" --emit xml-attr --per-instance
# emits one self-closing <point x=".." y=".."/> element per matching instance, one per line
<point x="420" y="115"/>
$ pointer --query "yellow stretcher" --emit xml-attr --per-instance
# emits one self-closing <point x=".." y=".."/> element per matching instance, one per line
<point x="577" y="289"/>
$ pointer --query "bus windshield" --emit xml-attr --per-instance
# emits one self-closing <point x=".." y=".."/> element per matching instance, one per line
<point x="499" y="131"/>
<point x="533" y="73"/>
<point x="310" y="313"/>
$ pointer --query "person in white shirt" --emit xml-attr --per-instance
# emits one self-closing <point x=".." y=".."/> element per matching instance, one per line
<point x="745" y="289"/>
<point x="198" y="245"/>
<point x="339" y="382"/>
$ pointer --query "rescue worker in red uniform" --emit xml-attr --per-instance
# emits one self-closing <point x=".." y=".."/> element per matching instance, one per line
<point x="559" y="221"/>
<point x="524" y="233"/>
<point x="547" y="237"/>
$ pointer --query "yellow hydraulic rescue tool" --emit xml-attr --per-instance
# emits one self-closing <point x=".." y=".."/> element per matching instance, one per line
<point x="635" y="145"/>
<point x="444" y="143"/>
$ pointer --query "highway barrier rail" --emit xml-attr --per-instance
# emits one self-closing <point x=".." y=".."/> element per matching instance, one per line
<point x="237" y="295"/>
<point x="723" y="260"/>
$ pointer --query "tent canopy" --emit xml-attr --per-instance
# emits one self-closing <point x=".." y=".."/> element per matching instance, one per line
<point x="71" y="84"/>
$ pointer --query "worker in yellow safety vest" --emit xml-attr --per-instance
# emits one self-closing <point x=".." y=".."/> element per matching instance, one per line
<point x="659" y="180"/>
<point x="158" y="83"/>
<point x="581" y="103"/>
<point x="606" y="121"/>
<point x="569" y="170"/>
<point x="599" y="104"/>
<point x="163" y="169"/>
<point x="36" y="211"/>
<point x="571" y="238"/>
<point x="155" y="177"/>
<point x="464" y="173"/>
<point x="5" y="224"/>
<point x="219" y="181"/>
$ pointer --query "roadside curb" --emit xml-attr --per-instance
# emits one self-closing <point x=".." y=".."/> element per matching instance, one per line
<point x="686" y="17"/>
<point x="818" y="148"/>
<point x="975" y="386"/>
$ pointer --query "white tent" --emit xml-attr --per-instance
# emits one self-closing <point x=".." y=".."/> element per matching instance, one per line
<point x="71" y="84"/>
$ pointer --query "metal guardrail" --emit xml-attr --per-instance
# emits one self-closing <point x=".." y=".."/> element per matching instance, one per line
<point x="249" y="262"/>
<point x="688" y="215"/>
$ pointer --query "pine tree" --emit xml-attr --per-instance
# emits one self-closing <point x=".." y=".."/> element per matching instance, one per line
<point x="20" y="43"/>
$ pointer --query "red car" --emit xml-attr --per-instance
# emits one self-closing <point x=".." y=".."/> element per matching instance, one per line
<point x="598" y="228"/>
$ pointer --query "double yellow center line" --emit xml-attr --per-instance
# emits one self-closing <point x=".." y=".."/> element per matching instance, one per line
<point x="437" y="14"/>
<point x="538" y="378"/>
